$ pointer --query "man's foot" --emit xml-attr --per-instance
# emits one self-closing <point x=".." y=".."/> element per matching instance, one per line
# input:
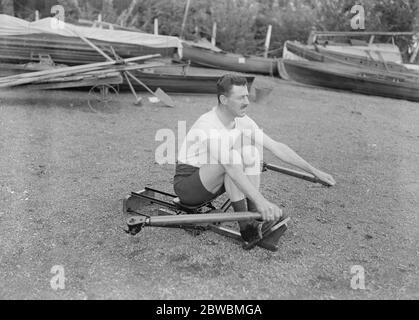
<point x="265" y="229"/>
<point x="252" y="232"/>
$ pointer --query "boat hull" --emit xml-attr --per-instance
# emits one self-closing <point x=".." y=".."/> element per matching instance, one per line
<point x="178" y="83"/>
<point x="352" y="79"/>
<point x="66" y="50"/>
<point x="229" y="61"/>
<point x="322" y="54"/>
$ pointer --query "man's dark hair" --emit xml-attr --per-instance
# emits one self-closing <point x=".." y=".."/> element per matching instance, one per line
<point x="226" y="82"/>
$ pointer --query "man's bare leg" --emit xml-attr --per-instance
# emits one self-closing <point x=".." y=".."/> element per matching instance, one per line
<point x="251" y="168"/>
<point x="214" y="176"/>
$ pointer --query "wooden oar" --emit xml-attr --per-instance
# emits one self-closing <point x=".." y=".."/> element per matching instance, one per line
<point x="159" y="94"/>
<point x="33" y="77"/>
<point x="137" y="98"/>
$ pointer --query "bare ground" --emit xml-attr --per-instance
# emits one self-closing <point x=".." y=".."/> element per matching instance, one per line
<point x="64" y="171"/>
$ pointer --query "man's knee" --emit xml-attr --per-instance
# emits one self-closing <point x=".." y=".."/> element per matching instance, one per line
<point x="251" y="160"/>
<point x="248" y="159"/>
<point x="235" y="159"/>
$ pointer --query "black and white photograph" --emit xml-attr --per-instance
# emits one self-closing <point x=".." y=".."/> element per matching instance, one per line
<point x="226" y="152"/>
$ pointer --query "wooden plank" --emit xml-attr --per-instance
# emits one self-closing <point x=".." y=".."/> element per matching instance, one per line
<point x="127" y="68"/>
<point x="75" y="84"/>
<point x="26" y="80"/>
<point x="76" y="69"/>
<point x="80" y="77"/>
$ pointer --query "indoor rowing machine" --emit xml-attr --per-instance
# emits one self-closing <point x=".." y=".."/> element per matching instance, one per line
<point x="172" y="213"/>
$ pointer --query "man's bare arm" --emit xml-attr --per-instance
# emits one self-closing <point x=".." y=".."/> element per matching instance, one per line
<point x="286" y="154"/>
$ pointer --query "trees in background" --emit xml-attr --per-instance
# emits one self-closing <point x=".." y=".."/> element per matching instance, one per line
<point x="235" y="24"/>
<point x="241" y="24"/>
<point x="7" y="7"/>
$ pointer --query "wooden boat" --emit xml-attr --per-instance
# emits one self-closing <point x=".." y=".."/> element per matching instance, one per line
<point x="345" y="77"/>
<point x="23" y="41"/>
<point x="323" y="54"/>
<point x="201" y="56"/>
<point x="361" y="43"/>
<point x="177" y="80"/>
<point x="321" y="46"/>
<point x="66" y="50"/>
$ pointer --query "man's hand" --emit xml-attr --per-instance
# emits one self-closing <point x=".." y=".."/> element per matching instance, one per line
<point x="269" y="211"/>
<point x="322" y="176"/>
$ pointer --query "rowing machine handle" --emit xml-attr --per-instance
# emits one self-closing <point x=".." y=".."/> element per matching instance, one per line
<point x="293" y="173"/>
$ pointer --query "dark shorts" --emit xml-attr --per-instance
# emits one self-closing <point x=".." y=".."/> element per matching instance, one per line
<point x="189" y="188"/>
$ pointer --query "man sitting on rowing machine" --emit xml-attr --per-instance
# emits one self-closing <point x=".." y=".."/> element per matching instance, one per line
<point x="222" y="153"/>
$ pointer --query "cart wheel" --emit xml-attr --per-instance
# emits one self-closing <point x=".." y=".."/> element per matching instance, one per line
<point x="101" y="96"/>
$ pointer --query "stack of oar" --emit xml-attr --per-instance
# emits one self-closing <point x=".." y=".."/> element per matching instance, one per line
<point x="78" y="76"/>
